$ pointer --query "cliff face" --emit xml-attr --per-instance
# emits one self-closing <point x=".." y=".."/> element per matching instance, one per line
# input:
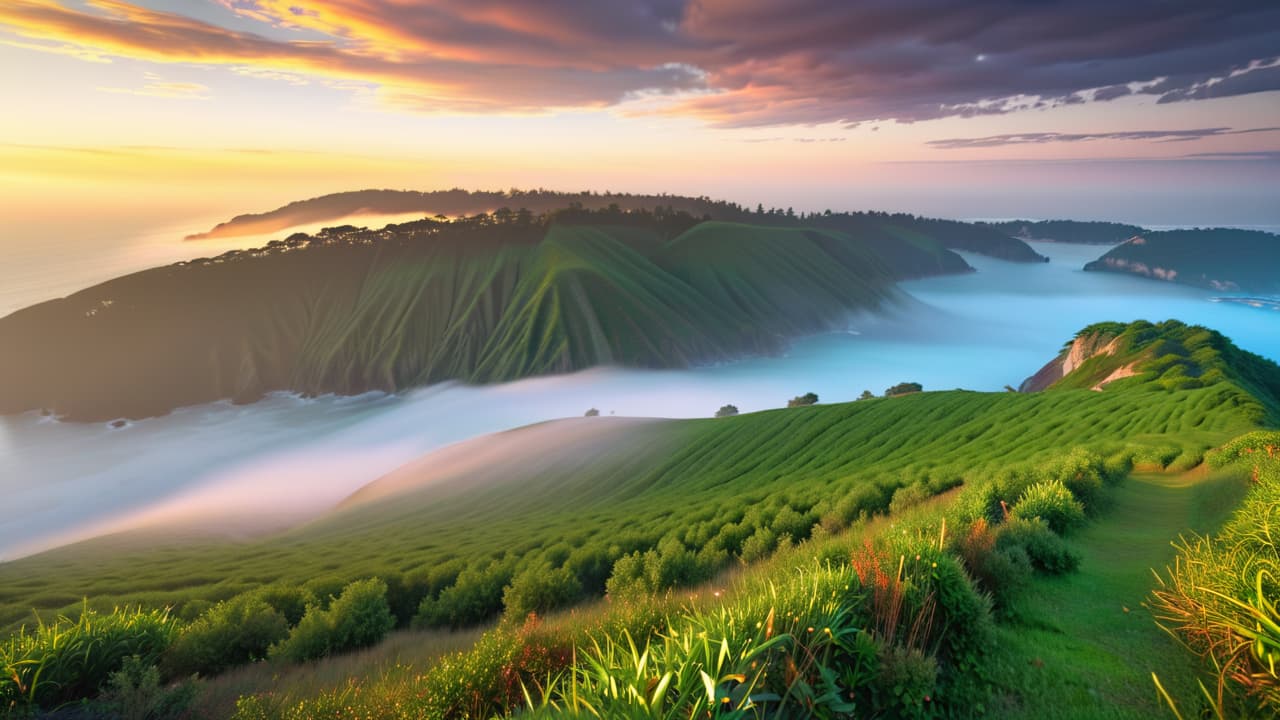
<point x="1167" y="356"/>
<point x="1218" y="259"/>
<point x="352" y="310"/>
<point x="1084" y="347"/>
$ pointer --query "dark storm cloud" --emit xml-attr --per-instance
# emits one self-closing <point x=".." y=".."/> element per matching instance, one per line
<point x="732" y="62"/>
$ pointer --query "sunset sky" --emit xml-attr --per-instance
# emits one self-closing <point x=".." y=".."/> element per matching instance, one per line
<point x="1155" y="112"/>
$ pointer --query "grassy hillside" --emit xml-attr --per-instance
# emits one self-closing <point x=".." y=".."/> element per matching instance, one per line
<point x="924" y="613"/>
<point x="716" y="489"/>
<point x="486" y="299"/>
<point x="1219" y="259"/>
<point x="1162" y="356"/>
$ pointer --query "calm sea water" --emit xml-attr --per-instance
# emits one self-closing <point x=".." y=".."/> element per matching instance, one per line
<point x="286" y="458"/>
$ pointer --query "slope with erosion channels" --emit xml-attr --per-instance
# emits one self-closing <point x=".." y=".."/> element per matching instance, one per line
<point x="351" y="310"/>
<point x="1222" y="259"/>
<point x="583" y="494"/>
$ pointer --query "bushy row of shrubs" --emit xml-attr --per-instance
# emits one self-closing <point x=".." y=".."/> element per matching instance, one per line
<point x="73" y="659"/>
<point x="893" y="628"/>
<point x="1015" y="524"/>
<point x="1219" y="598"/>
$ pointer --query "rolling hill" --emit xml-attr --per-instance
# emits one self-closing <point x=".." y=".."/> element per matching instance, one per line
<point x="582" y="494"/>
<point x="485" y="299"/>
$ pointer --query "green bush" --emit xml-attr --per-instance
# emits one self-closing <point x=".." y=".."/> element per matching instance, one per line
<point x="134" y="692"/>
<point x="727" y="411"/>
<point x="72" y="659"/>
<point x="475" y="596"/>
<point x="1053" y="503"/>
<point x="999" y="572"/>
<point x="803" y="400"/>
<point x="906" y="682"/>
<point x="1082" y="473"/>
<point x="325" y="589"/>
<point x="669" y="565"/>
<point x="539" y="588"/>
<point x="357" y="618"/>
<point x="1047" y="551"/>
<point x="291" y="601"/>
<point x="233" y="632"/>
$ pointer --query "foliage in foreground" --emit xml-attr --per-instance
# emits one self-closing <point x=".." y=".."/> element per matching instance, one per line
<point x="1220" y="596"/>
<point x="71" y="659"/>
<point x="892" y="622"/>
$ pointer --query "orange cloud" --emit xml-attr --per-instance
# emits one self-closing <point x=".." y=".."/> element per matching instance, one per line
<point x="727" y="62"/>
<point x="411" y="75"/>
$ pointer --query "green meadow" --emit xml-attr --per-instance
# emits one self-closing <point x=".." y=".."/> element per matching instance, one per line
<point x="922" y="555"/>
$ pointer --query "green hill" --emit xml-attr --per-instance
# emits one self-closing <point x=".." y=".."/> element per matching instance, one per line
<point x="485" y="299"/>
<point x="1168" y="356"/>
<point x="714" y="489"/>
<point x="1221" y="259"/>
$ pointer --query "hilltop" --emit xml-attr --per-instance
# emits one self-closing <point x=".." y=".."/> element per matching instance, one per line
<point x="1168" y="355"/>
<point x="487" y="298"/>
<point x="460" y="203"/>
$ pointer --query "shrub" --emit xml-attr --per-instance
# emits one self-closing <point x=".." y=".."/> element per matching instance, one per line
<point x="72" y="659"/>
<point x="1053" y="503"/>
<point x="233" y="632"/>
<point x="134" y="692"/>
<point x="1046" y="551"/>
<point x="908" y="496"/>
<point x="357" y="618"/>
<point x="905" y="388"/>
<point x="998" y="571"/>
<point x="539" y="588"/>
<point x="291" y="601"/>
<point x="405" y="594"/>
<point x="591" y="412"/>
<point x="727" y="411"/>
<point x="1081" y="472"/>
<point x="803" y="400"/>
<point x="669" y="565"/>
<point x="325" y="589"/>
<point x="906" y="682"/>
<point x="475" y="596"/>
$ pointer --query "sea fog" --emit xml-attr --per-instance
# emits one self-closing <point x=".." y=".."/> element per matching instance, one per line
<point x="247" y="468"/>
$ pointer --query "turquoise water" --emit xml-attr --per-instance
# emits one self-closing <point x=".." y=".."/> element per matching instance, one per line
<point x="241" y="468"/>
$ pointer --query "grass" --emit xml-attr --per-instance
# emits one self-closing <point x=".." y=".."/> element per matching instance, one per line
<point x="680" y="501"/>
<point x="1086" y="640"/>
<point x="399" y="658"/>
<point x="1218" y="597"/>
<point x="701" y="482"/>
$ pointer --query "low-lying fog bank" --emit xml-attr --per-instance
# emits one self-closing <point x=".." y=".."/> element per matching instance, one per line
<point x="285" y="459"/>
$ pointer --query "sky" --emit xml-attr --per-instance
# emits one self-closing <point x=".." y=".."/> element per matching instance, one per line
<point x="142" y="112"/>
